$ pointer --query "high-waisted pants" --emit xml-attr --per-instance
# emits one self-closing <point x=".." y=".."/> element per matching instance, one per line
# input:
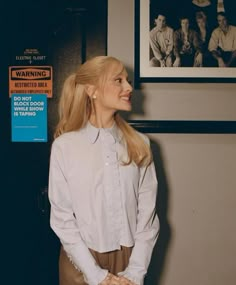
<point x="114" y="261"/>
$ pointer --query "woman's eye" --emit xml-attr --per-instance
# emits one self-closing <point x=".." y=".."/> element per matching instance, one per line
<point x="119" y="80"/>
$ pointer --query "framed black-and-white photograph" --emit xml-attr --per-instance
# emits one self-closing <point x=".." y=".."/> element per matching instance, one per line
<point x="185" y="41"/>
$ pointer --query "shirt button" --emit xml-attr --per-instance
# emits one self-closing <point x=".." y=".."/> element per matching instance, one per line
<point x="106" y="163"/>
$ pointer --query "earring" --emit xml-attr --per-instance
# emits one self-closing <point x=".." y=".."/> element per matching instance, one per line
<point x="94" y="97"/>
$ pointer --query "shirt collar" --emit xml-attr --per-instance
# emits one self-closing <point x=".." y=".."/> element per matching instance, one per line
<point x="161" y="29"/>
<point x="93" y="132"/>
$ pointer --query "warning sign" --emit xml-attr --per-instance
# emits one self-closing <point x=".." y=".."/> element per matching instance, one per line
<point x="30" y="80"/>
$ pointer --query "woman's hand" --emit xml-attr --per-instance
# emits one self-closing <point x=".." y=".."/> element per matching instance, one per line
<point x="125" y="281"/>
<point x="198" y="60"/>
<point x="114" y="280"/>
<point x="111" y="280"/>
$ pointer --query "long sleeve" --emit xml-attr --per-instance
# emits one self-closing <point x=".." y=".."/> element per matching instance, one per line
<point x="227" y="42"/>
<point x="147" y="227"/>
<point x="63" y="220"/>
<point x="214" y="41"/>
<point x="171" y="42"/>
<point x="155" y="45"/>
<point x="177" y="39"/>
<point x="195" y="40"/>
<point x="161" y="42"/>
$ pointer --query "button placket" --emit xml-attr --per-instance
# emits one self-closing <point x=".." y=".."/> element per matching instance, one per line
<point x="112" y="186"/>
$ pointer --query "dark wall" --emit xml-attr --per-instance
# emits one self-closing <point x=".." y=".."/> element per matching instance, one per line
<point x="67" y="32"/>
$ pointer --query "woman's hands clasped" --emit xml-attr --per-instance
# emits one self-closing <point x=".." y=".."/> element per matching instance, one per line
<point x="116" y="280"/>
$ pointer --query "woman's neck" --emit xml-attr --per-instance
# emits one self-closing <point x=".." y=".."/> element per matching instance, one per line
<point x="104" y="121"/>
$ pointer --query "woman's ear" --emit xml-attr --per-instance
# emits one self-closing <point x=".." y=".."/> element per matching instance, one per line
<point x="90" y="89"/>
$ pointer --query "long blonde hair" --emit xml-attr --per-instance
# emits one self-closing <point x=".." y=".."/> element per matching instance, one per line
<point x="75" y="106"/>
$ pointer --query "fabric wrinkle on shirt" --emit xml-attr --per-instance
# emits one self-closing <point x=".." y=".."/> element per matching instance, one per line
<point x="227" y="42"/>
<point x="161" y="41"/>
<point x="95" y="198"/>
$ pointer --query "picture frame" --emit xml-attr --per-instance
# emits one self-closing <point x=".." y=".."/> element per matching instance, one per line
<point x="144" y="18"/>
<point x="184" y="127"/>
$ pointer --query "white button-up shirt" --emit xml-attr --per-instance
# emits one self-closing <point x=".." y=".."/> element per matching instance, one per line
<point x="161" y="41"/>
<point x="226" y="41"/>
<point x="98" y="203"/>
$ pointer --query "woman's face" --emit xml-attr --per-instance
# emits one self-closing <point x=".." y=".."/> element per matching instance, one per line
<point x="115" y="94"/>
<point x="184" y="24"/>
<point x="201" y="23"/>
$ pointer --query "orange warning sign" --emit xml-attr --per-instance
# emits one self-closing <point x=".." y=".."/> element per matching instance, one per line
<point x="30" y="80"/>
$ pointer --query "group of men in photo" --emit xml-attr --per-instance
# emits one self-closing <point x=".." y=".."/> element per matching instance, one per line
<point x="196" y="38"/>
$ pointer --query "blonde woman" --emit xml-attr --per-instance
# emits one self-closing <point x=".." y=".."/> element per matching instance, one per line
<point x="102" y="181"/>
<point x="204" y="34"/>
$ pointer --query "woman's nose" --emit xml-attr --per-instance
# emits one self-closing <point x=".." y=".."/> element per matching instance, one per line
<point x="129" y="86"/>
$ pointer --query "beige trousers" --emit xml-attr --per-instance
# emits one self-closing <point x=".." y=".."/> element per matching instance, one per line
<point x="114" y="261"/>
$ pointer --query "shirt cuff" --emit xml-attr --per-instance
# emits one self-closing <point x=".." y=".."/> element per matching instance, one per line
<point x="83" y="260"/>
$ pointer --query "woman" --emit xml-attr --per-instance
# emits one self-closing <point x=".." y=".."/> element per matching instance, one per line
<point x="102" y="181"/>
<point x="187" y="48"/>
<point x="204" y="34"/>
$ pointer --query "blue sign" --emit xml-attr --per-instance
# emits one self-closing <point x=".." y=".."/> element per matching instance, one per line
<point x="29" y="117"/>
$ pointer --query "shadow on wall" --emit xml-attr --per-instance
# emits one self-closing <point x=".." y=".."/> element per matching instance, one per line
<point x="157" y="265"/>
